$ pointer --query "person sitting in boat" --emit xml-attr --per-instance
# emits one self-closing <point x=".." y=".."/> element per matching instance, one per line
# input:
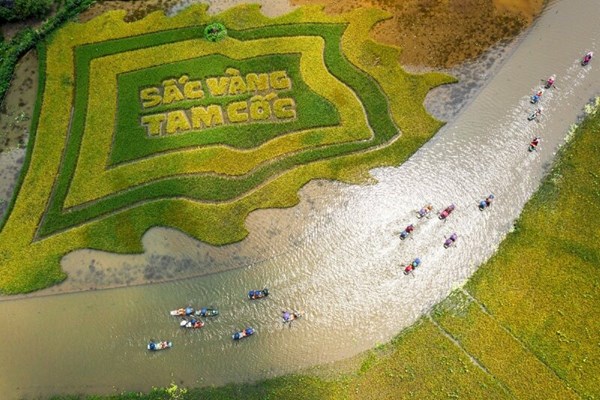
<point x="425" y="210"/>
<point x="181" y="312"/>
<point x="537" y="96"/>
<point x="289" y="316"/>
<point x="189" y="311"/>
<point x="258" y="294"/>
<point x="196" y="323"/>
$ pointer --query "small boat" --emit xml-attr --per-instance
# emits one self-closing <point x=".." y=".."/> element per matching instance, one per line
<point x="155" y="346"/>
<point x="536" y="97"/>
<point x="451" y="240"/>
<point x="404" y="234"/>
<point x="191" y="324"/>
<point x="483" y="204"/>
<point x="534" y="144"/>
<point x="447" y="211"/>
<point x="535" y="114"/>
<point x="425" y="211"/>
<point x="182" y="312"/>
<point x="412" y="266"/>
<point x="550" y="82"/>
<point x="244" y="333"/>
<point x="289" y="316"/>
<point x="258" y="294"/>
<point x="587" y="58"/>
<point x="207" y="312"/>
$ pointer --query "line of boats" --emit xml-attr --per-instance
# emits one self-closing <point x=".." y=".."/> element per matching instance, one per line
<point x="427" y="210"/>
<point x="537" y="96"/>
<point x="190" y="319"/>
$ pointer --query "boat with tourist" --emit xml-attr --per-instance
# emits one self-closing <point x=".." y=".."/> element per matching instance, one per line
<point x="160" y="345"/>
<point x="243" y="333"/>
<point x="258" y="294"/>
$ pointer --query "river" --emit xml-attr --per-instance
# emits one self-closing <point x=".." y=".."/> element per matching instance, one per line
<point x="336" y="256"/>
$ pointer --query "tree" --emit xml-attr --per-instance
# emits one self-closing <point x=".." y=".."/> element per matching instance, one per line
<point x="22" y="9"/>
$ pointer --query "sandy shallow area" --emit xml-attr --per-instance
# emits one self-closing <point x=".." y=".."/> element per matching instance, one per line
<point x="171" y="255"/>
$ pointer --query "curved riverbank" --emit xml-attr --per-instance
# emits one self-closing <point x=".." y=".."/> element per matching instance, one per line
<point x="474" y="344"/>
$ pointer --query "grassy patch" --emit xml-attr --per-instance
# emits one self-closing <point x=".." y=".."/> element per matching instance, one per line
<point x="423" y="364"/>
<point x="498" y="351"/>
<point x="543" y="284"/>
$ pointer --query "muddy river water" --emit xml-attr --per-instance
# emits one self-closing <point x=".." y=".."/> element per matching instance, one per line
<point x="336" y="256"/>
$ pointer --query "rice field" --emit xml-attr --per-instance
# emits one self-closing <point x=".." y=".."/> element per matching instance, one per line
<point x="149" y="124"/>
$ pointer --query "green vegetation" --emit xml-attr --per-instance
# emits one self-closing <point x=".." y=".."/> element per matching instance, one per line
<point x="131" y="140"/>
<point x="73" y="196"/>
<point x="215" y="31"/>
<point x="549" y="269"/>
<point x="23" y="9"/>
<point x="525" y="326"/>
<point x="26" y="39"/>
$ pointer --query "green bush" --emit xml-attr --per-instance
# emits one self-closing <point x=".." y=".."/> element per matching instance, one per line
<point x="27" y="38"/>
<point x="24" y="9"/>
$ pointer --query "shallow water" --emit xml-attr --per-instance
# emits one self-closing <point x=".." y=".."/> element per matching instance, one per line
<point x="15" y="120"/>
<point x="336" y="256"/>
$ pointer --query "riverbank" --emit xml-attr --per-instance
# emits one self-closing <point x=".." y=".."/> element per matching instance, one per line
<point x="474" y="344"/>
